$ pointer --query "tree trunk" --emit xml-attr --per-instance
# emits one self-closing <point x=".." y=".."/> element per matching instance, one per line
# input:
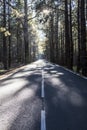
<point x="26" y="40"/>
<point x="83" y="39"/>
<point x="56" y="37"/>
<point x="67" y="37"/>
<point x="9" y="39"/>
<point x="79" y="37"/>
<point x="4" y="38"/>
<point x="51" y="40"/>
<point x="71" y="40"/>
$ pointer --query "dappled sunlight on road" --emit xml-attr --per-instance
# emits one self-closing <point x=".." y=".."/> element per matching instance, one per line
<point x="76" y="98"/>
<point x="66" y="93"/>
<point x="53" y="74"/>
<point x="19" y="100"/>
<point x="19" y="106"/>
<point x="40" y="63"/>
<point x="21" y="74"/>
<point x="21" y="103"/>
<point x="11" y="88"/>
<point x="27" y="69"/>
<point x="12" y="98"/>
<point x="66" y="99"/>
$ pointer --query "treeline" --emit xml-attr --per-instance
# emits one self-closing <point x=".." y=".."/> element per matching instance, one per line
<point x="67" y="34"/>
<point x="16" y="34"/>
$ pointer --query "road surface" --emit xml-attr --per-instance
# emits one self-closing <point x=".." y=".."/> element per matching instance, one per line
<point x="43" y="96"/>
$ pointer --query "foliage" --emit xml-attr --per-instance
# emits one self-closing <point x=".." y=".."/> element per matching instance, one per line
<point x="6" y="32"/>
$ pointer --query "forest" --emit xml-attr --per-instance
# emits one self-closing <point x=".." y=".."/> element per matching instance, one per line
<point x="52" y="29"/>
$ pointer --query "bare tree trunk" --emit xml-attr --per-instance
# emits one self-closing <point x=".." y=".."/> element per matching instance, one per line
<point x="51" y="40"/>
<point x="71" y="40"/>
<point x="4" y="38"/>
<point x="83" y="40"/>
<point x="9" y="45"/>
<point x="26" y="40"/>
<point x="56" y="37"/>
<point x="79" y="37"/>
<point x="67" y="37"/>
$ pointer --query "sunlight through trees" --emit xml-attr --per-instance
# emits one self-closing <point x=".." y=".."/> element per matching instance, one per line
<point x="53" y="29"/>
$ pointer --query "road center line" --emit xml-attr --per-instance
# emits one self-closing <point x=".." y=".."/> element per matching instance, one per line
<point x="42" y="87"/>
<point x="43" y="121"/>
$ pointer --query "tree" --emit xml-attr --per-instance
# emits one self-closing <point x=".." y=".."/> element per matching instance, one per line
<point x="71" y="39"/>
<point x="4" y="37"/>
<point x="67" y="36"/>
<point x="83" y="40"/>
<point x="26" y="40"/>
<point x="9" y="28"/>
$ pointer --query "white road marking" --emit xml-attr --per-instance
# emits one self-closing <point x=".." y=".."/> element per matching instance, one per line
<point x="42" y="87"/>
<point x="43" y="121"/>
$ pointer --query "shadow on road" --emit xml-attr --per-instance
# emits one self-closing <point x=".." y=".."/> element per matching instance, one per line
<point x="66" y="100"/>
<point x="20" y="100"/>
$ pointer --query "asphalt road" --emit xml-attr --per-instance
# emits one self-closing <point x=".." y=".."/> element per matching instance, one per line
<point x="22" y="101"/>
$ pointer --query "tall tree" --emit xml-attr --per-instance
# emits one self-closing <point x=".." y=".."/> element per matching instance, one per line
<point x="26" y="40"/>
<point x="56" y="35"/>
<point x="83" y="39"/>
<point x="79" y="36"/>
<point x="4" y="37"/>
<point x="71" y="39"/>
<point x="9" y="39"/>
<point x="67" y="37"/>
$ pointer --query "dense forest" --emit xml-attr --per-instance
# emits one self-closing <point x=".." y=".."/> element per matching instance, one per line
<point x="54" y="29"/>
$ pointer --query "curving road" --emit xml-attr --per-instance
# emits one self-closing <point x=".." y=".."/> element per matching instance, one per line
<point x="43" y="96"/>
